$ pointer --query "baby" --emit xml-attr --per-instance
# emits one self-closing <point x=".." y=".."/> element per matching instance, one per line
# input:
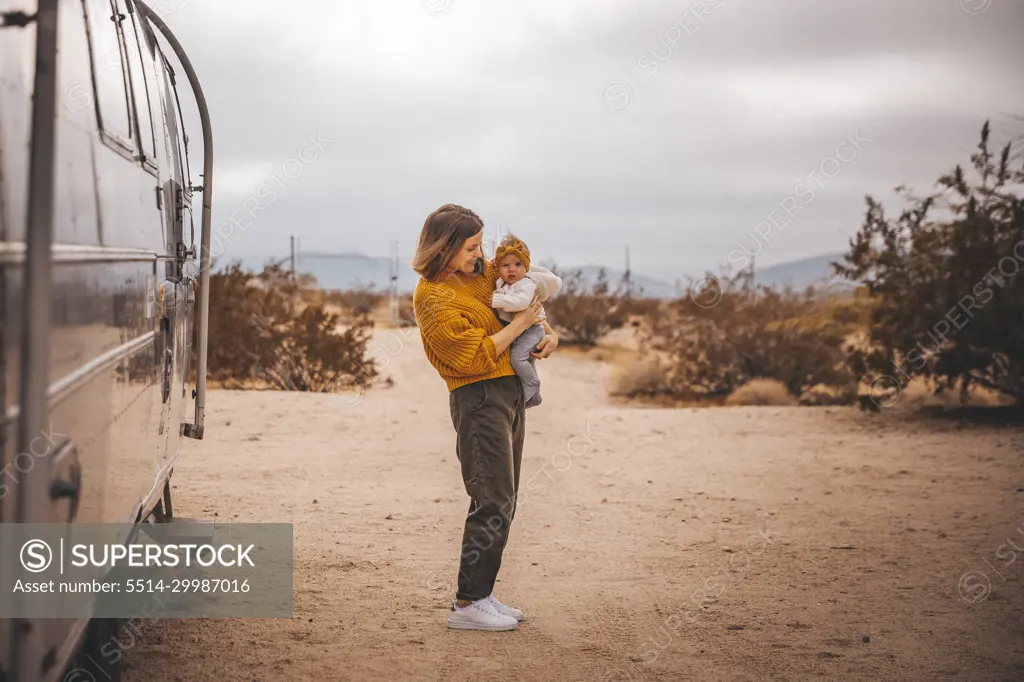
<point x="513" y="291"/>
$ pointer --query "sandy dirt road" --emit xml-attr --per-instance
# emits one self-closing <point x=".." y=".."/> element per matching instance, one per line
<point x="657" y="544"/>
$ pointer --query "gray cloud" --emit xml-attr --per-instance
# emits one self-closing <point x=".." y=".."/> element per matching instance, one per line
<point x="499" y="108"/>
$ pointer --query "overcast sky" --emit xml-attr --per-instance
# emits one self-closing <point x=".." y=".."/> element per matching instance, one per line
<point x="587" y="125"/>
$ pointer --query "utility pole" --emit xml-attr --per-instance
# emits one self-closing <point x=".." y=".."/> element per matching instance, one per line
<point x="628" y="275"/>
<point x="393" y="284"/>
<point x="293" y="256"/>
<point x="287" y="259"/>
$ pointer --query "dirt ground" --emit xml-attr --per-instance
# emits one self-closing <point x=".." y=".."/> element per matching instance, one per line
<point x="650" y="544"/>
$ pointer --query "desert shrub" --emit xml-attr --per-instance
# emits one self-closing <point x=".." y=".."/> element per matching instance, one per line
<point x="638" y="377"/>
<point x="917" y="395"/>
<point x="761" y="392"/>
<point x="246" y="318"/>
<point x="312" y="297"/>
<point x="820" y="394"/>
<point x="314" y="356"/>
<point x="635" y="308"/>
<point x="333" y="297"/>
<point x="855" y="310"/>
<point x="261" y="331"/>
<point x="406" y="313"/>
<point x="717" y="341"/>
<point x="582" y="314"/>
<point x="949" y="302"/>
<point x="356" y="302"/>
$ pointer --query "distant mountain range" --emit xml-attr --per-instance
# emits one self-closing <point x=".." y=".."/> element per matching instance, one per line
<point x="799" y="274"/>
<point x="357" y="271"/>
<point x="814" y="271"/>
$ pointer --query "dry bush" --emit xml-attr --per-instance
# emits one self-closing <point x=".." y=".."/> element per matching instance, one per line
<point x="260" y="331"/>
<point x="638" y="377"/>
<point x="406" y="313"/>
<point x="637" y="309"/>
<point x="306" y="289"/>
<point x="582" y="314"/>
<point x="761" y="392"/>
<point x="333" y="297"/>
<point x="245" y="323"/>
<point x="312" y="297"/>
<point x="315" y="357"/>
<point x="822" y="395"/>
<point x="719" y="342"/>
<point x="920" y="394"/>
<point x="356" y="302"/>
<point x="959" y="245"/>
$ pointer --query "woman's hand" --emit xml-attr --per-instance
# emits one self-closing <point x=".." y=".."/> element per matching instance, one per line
<point x="547" y="345"/>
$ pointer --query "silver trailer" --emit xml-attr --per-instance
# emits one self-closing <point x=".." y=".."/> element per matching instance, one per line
<point x="103" y="288"/>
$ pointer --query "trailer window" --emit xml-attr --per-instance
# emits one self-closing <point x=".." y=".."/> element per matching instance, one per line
<point x="141" y="87"/>
<point x="113" y="97"/>
<point x="176" y="129"/>
<point x="183" y="152"/>
<point x="173" y="125"/>
<point x="155" y="66"/>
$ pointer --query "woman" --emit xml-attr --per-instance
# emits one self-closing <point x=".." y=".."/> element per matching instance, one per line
<point x="468" y="345"/>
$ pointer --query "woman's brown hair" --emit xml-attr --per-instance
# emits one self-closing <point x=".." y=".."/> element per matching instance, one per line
<point x="444" y="232"/>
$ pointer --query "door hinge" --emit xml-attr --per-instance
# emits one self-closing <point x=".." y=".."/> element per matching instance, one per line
<point x="179" y="205"/>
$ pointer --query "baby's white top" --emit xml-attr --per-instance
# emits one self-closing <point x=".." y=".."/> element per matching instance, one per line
<point x="509" y="299"/>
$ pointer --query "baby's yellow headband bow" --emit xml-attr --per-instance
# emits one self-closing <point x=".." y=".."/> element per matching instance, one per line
<point x="518" y="248"/>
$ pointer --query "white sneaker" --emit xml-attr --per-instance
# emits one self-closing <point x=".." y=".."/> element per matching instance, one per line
<point x="480" y="615"/>
<point x="507" y="610"/>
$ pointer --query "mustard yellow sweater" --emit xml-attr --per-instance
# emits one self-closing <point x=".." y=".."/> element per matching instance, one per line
<point x="455" y="319"/>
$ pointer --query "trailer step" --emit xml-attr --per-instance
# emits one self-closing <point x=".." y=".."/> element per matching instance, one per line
<point x="181" y="529"/>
